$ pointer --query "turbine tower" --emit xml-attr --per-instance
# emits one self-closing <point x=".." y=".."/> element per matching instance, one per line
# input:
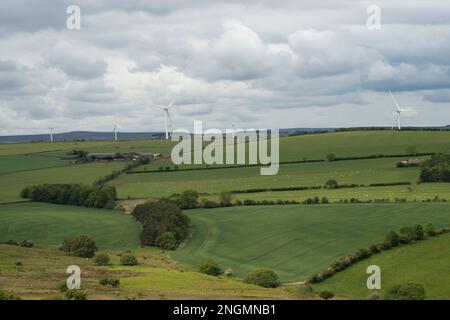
<point x="168" y="120"/>
<point x="51" y="134"/>
<point x="398" y="112"/>
<point x="115" y="132"/>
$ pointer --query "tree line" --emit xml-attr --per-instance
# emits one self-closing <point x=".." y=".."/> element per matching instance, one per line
<point x="101" y="197"/>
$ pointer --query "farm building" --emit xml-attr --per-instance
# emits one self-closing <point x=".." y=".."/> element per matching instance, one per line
<point x="130" y="156"/>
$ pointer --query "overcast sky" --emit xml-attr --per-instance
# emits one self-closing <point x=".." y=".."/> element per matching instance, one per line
<point x="260" y="64"/>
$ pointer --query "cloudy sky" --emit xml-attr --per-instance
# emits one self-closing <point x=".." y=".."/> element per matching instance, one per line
<point x="260" y="64"/>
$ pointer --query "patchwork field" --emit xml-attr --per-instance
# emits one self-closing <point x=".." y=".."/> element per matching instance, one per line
<point x="17" y="163"/>
<point x="296" y="240"/>
<point x="426" y="262"/>
<point x="50" y="224"/>
<point x="158" y="184"/>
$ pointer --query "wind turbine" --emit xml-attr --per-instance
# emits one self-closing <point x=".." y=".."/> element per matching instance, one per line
<point x="168" y="120"/>
<point x="398" y="112"/>
<point x="51" y="134"/>
<point x="115" y="132"/>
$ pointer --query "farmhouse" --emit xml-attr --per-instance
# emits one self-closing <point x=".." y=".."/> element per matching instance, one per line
<point x="410" y="163"/>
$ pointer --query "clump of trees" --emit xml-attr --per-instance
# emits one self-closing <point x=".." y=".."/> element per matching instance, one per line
<point x="405" y="236"/>
<point x="164" y="225"/>
<point x="80" y="246"/>
<point x="263" y="278"/>
<point x="436" y="169"/>
<point x="7" y="296"/>
<point x="102" y="197"/>
<point x="407" y="291"/>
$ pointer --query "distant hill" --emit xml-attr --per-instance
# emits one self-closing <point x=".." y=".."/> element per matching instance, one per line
<point x="79" y="135"/>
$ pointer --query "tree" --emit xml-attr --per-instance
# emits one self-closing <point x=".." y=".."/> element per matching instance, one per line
<point x="430" y="230"/>
<point x="80" y="246"/>
<point x="331" y="156"/>
<point x="211" y="268"/>
<point x="408" y="291"/>
<point x="331" y="184"/>
<point x="188" y="199"/>
<point x="263" y="278"/>
<point x="160" y="217"/>
<point x="418" y="232"/>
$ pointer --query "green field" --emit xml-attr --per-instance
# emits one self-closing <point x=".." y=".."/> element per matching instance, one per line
<point x="157" y="184"/>
<point x="13" y="183"/>
<point x="419" y="192"/>
<point x="426" y="262"/>
<point x="9" y="164"/>
<point x="50" y="224"/>
<point x="297" y="240"/>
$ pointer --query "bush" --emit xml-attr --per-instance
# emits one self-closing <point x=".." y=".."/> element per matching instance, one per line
<point x="326" y="295"/>
<point x="211" y="268"/>
<point x="26" y="244"/>
<point x="128" y="260"/>
<point x="80" y="246"/>
<point x="6" y="296"/>
<point x="167" y="241"/>
<point x="76" y="295"/>
<point x="188" y="199"/>
<point x="393" y="238"/>
<point x="101" y="259"/>
<point x="109" y="282"/>
<point x="408" y="291"/>
<point x="226" y="199"/>
<point x="430" y="230"/>
<point x="331" y="184"/>
<point x="263" y="278"/>
<point x="331" y="156"/>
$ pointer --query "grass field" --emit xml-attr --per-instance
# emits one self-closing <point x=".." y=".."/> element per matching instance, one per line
<point x="156" y="184"/>
<point x="419" y="192"/>
<point x="50" y="224"/>
<point x="13" y="183"/>
<point x="296" y="240"/>
<point x="426" y="262"/>
<point x="43" y="268"/>
<point x="9" y="164"/>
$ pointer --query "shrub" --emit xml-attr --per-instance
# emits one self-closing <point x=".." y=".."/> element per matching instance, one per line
<point x="331" y="156"/>
<point x="226" y="198"/>
<point x="331" y="184"/>
<point x="101" y="259"/>
<point x="408" y="291"/>
<point x="110" y="282"/>
<point x="393" y="238"/>
<point x="128" y="260"/>
<point x="167" y="241"/>
<point x="80" y="246"/>
<point x="188" y="199"/>
<point x="263" y="278"/>
<point x="6" y="296"/>
<point x="26" y="244"/>
<point x="211" y="268"/>
<point x="326" y="295"/>
<point x="430" y="230"/>
<point x="76" y="295"/>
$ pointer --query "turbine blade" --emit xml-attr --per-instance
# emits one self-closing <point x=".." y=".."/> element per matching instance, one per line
<point x="395" y="101"/>
<point x="171" y="104"/>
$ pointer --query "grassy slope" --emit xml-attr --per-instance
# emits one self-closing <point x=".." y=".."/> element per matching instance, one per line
<point x="156" y="277"/>
<point x="50" y="224"/>
<point x="304" y="174"/>
<point x="13" y="183"/>
<point x="296" y="241"/>
<point x="426" y="262"/>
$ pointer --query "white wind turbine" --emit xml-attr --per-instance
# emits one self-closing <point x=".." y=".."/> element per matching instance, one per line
<point x="51" y="134"/>
<point x="115" y="131"/>
<point x="168" y="120"/>
<point x="398" y="112"/>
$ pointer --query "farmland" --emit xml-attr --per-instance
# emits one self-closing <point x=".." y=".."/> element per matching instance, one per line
<point x="297" y="240"/>
<point x="425" y="262"/>
<point x="50" y="224"/>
